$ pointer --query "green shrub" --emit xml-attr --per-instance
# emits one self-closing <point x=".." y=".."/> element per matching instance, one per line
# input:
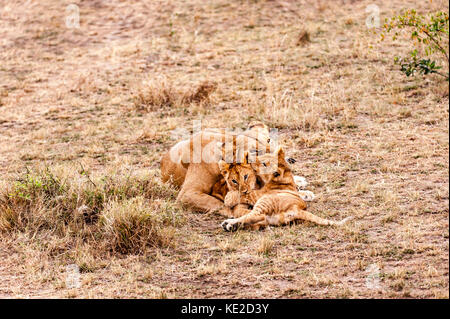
<point x="430" y="39"/>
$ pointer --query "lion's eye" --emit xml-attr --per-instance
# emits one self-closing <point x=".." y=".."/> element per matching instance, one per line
<point x="276" y="174"/>
<point x="264" y="164"/>
<point x="245" y="177"/>
<point x="234" y="181"/>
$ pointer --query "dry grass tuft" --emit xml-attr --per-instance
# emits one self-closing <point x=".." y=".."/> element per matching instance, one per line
<point x="265" y="246"/>
<point x="132" y="225"/>
<point x="163" y="93"/>
<point x="117" y="213"/>
<point x="156" y="95"/>
<point x="303" y="38"/>
<point x="200" y="93"/>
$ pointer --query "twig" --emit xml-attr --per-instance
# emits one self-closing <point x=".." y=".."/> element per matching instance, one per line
<point x="85" y="173"/>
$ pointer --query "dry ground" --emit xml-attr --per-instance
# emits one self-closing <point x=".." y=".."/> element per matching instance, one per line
<point x="108" y="96"/>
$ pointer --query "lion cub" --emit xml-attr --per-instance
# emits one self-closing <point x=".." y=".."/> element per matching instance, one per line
<point x="276" y="203"/>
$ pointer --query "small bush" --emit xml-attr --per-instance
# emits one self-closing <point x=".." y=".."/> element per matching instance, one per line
<point x="132" y="225"/>
<point x="265" y="246"/>
<point x="430" y="38"/>
<point x="121" y="212"/>
<point x="199" y="94"/>
<point x="158" y="94"/>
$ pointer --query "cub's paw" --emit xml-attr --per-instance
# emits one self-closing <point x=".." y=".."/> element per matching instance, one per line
<point x="232" y="199"/>
<point x="230" y="225"/>
<point x="300" y="181"/>
<point x="307" y="196"/>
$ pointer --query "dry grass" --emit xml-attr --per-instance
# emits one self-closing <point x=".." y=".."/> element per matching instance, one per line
<point x="123" y="214"/>
<point x="131" y="226"/>
<point x="158" y="94"/>
<point x="97" y="106"/>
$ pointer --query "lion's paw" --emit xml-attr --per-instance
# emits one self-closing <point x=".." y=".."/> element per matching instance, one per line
<point x="307" y="196"/>
<point x="300" y="181"/>
<point x="230" y="225"/>
<point x="232" y="199"/>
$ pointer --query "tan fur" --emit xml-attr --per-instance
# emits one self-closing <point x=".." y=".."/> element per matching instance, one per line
<point x="219" y="191"/>
<point x="201" y="185"/>
<point x="276" y="203"/>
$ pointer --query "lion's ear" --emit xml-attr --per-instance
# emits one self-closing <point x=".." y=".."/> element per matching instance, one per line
<point x="245" y="158"/>
<point x="223" y="165"/>
<point x="220" y="149"/>
<point x="280" y="154"/>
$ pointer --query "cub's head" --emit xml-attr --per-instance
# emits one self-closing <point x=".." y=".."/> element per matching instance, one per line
<point x="239" y="176"/>
<point x="273" y="168"/>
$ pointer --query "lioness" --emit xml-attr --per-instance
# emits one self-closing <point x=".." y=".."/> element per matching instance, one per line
<point x="192" y="164"/>
<point x="277" y="203"/>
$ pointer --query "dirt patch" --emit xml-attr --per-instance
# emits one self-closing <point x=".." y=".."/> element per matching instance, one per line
<point x="371" y="142"/>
